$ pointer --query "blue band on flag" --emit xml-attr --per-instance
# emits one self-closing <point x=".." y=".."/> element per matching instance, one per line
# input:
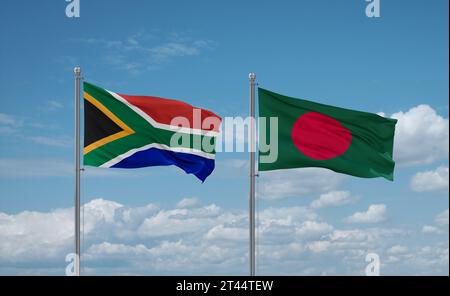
<point x="192" y="164"/>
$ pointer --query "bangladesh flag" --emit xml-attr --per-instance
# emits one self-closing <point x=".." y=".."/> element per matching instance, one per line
<point x="316" y="135"/>
<point x="123" y="131"/>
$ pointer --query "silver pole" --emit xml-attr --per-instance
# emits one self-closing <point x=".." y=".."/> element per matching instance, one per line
<point x="251" y="78"/>
<point x="77" y="71"/>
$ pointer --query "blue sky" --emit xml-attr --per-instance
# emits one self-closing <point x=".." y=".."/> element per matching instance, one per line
<point x="326" y="51"/>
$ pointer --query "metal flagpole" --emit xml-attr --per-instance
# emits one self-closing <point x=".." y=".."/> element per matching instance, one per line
<point x="77" y="71"/>
<point x="251" y="78"/>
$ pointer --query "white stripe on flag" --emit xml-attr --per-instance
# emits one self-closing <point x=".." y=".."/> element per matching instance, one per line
<point x="129" y="153"/>
<point x="156" y="124"/>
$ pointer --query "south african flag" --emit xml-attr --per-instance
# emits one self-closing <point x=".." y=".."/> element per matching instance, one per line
<point x="123" y="131"/>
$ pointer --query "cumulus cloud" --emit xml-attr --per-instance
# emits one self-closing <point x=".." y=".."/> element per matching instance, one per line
<point x="435" y="180"/>
<point x="35" y="236"/>
<point x="333" y="199"/>
<point x="313" y="229"/>
<point x="429" y="258"/>
<point x="227" y="233"/>
<point x="187" y="202"/>
<point x="179" y="221"/>
<point x="441" y="224"/>
<point x="203" y="239"/>
<point x="421" y="136"/>
<point x="374" y="214"/>
<point x="297" y="182"/>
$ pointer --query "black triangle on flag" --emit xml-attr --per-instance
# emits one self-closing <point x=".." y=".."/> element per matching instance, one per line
<point x="97" y="125"/>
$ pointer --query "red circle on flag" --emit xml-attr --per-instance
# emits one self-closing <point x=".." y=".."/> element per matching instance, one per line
<point x="320" y="137"/>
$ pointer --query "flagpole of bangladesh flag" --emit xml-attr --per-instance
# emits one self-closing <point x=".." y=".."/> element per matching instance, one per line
<point x="252" y="191"/>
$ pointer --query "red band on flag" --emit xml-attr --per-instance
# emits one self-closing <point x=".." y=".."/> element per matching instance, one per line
<point x="164" y="110"/>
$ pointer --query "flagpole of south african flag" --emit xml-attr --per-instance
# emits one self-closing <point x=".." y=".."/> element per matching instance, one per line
<point x="77" y="71"/>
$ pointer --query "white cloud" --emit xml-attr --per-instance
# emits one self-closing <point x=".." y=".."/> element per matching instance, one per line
<point x="431" y="229"/>
<point x="100" y="210"/>
<point x="319" y="246"/>
<point x="285" y="215"/>
<point x="228" y="233"/>
<point x="10" y="120"/>
<point x="51" y="105"/>
<point x="374" y="214"/>
<point x="179" y="221"/>
<point x="297" y="182"/>
<point x="421" y="137"/>
<point x="442" y="218"/>
<point x="9" y="123"/>
<point x="204" y="239"/>
<point x="34" y="236"/>
<point x="429" y="258"/>
<point x="353" y="235"/>
<point x="111" y="230"/>
<point x="188" y="202"/>
<point x="313" y="229"/>
<point x="53" y="141"/>
<point x="161" y="53"/>
<point x="141" y="52"/>
<point x="333" y="199"/>
<point x="55" y="104"/>
<point x="397" y="249"/>
<point x="441" y="221"/>
<point x="436" y="180"/>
